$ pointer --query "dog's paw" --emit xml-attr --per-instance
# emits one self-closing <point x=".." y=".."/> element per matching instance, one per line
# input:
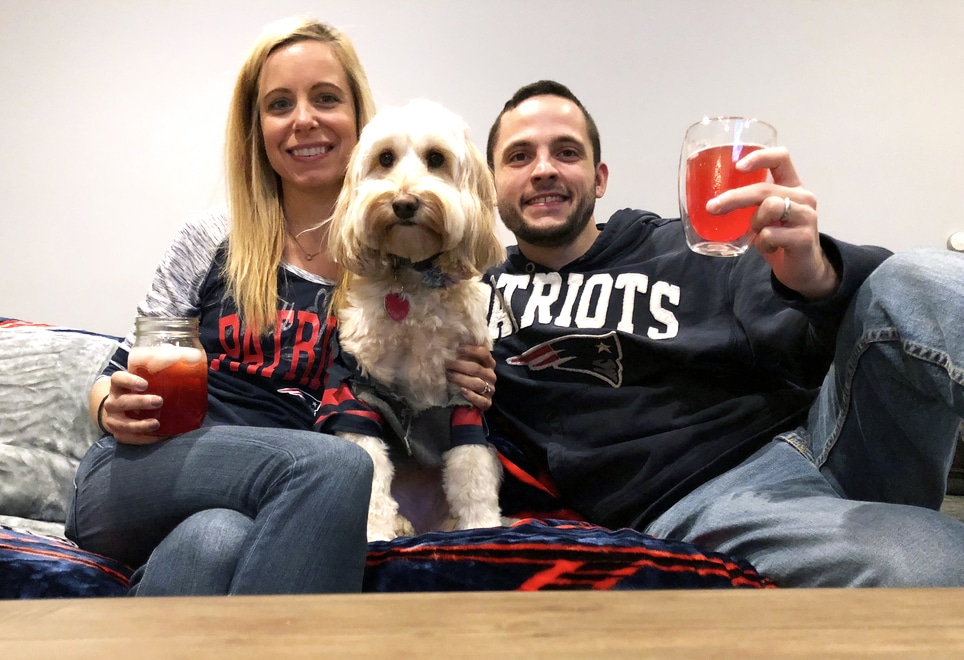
<point x="388" y="531"/>
<point x="480" y="519"/>
<point x="383" y="519"/>
<point x="449" y="524"/>
<point x="403" y="527"/>
<point x="471" y="478"/>
<point x="380" y="533"/>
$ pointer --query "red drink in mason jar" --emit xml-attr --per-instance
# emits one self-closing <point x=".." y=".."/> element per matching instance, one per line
<point x="710" y="172"/>
<point x="168" y="355"/>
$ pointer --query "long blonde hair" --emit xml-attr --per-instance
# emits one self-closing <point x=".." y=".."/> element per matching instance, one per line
<point x="257" y="231"/>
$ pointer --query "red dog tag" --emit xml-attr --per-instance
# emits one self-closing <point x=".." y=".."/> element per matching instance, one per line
<point x="396" y="306"/>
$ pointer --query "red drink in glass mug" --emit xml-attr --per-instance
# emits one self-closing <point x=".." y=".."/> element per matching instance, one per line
<point x="710" y="172"/>
<point x="711" y="149"/>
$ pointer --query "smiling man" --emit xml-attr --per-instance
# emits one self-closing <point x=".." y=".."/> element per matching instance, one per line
<point x="784" y="406"/>
<point x="549" y="177"/>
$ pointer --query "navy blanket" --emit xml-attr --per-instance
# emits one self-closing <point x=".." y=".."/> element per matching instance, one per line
<point x="535" y="555"/>
<point x="34" y="566"/>
<point x="550" y="548"/>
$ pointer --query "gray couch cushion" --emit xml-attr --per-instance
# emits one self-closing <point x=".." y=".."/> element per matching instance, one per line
<point x="45" y="375"/>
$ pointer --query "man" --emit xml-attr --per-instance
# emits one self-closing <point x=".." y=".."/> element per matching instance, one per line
<point x="685" y="395"/>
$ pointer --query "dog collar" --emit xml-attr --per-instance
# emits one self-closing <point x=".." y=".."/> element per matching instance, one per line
<point x="432" y="275"/>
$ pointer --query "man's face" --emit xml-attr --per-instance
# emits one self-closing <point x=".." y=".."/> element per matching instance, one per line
<point x="546" y="182"/>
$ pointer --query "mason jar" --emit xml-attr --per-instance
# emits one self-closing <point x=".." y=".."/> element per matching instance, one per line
<point x="167" y="353"/>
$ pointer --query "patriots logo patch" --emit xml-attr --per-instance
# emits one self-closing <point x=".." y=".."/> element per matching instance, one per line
<point x="600" y="356"/>
<point x="313" y="403"/>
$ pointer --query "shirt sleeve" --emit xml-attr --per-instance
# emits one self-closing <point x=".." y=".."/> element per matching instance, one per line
<point x="175" y="288"/>
<point x="787" y="332"/>
<point x="340" y="410"/>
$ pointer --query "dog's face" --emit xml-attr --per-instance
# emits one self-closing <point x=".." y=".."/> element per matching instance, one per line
<point x="416" y="187"/>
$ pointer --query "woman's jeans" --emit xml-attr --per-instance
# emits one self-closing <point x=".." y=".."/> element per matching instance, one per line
<point x="228" y="510"/>
<point x="851" y="498"/>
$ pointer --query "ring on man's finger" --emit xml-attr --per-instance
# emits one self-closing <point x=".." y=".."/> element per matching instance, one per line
<point x="786" y="210"/>
<point x="486" y="389"/>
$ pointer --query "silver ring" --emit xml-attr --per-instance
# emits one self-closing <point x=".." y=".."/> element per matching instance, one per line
<point x="486" y="389"/>
<point x="786" y="210"/>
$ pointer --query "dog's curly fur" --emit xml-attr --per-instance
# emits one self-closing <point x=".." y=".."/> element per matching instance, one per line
<point x="418" y="190"/>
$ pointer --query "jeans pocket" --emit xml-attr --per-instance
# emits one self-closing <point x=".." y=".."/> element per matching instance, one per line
<point x="799" y="439"/>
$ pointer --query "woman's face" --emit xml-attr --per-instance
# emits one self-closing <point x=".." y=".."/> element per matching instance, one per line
<point x="307" y="116"/>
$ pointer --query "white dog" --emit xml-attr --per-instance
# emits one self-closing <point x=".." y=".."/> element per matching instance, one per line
<point x="414" y="229"/>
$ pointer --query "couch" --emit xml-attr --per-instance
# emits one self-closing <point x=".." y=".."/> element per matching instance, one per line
<point x="45" y="375"/>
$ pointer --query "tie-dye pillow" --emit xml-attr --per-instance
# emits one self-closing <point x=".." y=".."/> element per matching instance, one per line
<point x="45" y="375"/>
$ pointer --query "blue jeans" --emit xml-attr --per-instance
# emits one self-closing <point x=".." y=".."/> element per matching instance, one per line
<point x="851" y="499"/>
<point x="225" y="509"/>
<point x="198" y="558"/>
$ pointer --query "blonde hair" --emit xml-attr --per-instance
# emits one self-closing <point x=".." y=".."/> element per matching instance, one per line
<point x="257" y="231"/>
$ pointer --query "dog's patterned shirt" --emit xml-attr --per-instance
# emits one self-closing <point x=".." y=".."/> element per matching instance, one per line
<point x="355" y="404"/>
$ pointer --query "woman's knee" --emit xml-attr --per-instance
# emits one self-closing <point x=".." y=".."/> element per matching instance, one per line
<point x="355" y="459"/>
<point x="198" y="557"/>
<point x="214" y="528"/>
<point x="324" y="464"/>
<point x="343" y="464"/>
<point x="279" y="453"/>
<point x="330" y="450"/>
<point x="211" y="538"/>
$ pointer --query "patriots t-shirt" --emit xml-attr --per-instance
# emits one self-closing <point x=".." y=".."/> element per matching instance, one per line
<point x="273" y="380"/>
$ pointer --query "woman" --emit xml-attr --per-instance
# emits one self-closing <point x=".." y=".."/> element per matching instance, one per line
<point x="254" y="501"/>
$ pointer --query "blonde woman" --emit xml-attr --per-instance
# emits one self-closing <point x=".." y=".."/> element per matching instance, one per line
<point x="254" y="501"/>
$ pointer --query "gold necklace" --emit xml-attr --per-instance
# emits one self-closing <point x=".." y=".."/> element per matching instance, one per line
<point x="308" y="255"/>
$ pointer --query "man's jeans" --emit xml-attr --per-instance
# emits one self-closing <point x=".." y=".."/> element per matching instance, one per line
<point x="851" y="499"/>
<point x="230" y="510"/>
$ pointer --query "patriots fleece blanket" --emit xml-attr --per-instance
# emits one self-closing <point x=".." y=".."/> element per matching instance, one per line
<point x="548" y="548"/>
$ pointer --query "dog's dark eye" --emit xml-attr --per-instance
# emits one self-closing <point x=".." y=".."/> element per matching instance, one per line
<point x="435" y="160"/>
<point x="386" y="159"/>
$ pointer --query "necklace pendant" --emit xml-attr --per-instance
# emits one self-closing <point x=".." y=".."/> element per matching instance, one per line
<point x="309" y="257"/>
<point x="396" y="307"/>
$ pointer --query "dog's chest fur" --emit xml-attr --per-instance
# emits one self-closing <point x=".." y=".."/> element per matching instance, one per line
<point x="409" y="355"/>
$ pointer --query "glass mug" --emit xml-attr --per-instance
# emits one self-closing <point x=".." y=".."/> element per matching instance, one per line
<point x="707" y="168"/>
<point x="167" y="353"/>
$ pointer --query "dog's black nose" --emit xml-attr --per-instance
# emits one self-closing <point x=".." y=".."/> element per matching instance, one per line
<point x="405" y="207"/>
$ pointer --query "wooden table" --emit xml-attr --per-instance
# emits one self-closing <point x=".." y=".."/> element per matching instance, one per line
<point x="805" y="622"/>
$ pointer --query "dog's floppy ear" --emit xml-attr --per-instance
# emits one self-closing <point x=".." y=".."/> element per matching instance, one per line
<point x="480" y="248"/>
<point x="345" y="244"/>
<point x="341" y="244"/>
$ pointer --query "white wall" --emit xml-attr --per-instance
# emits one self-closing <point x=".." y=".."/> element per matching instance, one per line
<point x="112" y="111"/>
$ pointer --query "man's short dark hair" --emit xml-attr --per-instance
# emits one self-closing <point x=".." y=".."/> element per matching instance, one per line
<point x="543" y="88"/>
